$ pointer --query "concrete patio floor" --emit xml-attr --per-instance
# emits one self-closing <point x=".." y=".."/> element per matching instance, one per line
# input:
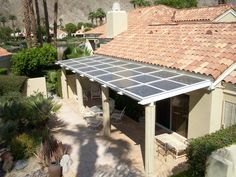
<point x="94" y="155"/>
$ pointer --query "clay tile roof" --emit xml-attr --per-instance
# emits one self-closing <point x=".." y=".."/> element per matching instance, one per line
<point x="231" y="78"/>
<point x="201" y="14"/>
<point x="98" y="30"/>
<point x="4" y="52"/>
<point x="204" y="48"/>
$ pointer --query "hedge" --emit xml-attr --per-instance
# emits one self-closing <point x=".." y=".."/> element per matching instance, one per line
<point x="11" y="84"/>
<point x="3" y="71"/>
<point x="201" y="148"/>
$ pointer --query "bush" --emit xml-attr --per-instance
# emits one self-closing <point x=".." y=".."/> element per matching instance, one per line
<point x="8" y="130"/>
<point x="3" y="71"/>
<point x="177" y="3"/>
<point x="30" y="62"/>
<point x="75" y="52"/>
<point x="24" y="146"/>
<point x="51" y="81"/>
<point x="11" y="84"/>
<point x="200" y="148"/>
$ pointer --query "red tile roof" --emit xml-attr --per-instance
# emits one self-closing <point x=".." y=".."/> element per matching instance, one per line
<point x="231" y="78"/>
<point x="4" y="52"/>
<point x="201" y="14"/>
<point x="200" y="48"/>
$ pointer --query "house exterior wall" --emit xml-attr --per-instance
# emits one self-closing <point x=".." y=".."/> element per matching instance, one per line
<point x="229" y="17"/>
<point x="206" y="109"/>
<point x="36" y="85"/>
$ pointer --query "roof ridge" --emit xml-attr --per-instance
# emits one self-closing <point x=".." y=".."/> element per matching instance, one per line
<point x="206" y="7"/>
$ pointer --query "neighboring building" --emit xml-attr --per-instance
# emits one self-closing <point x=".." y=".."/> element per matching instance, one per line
<point x="180" y="64"/>
<point x="5" y="58"/>
<point x="61" y="34"/>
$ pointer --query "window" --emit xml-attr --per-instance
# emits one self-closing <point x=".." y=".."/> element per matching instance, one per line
<point x="229" y="114"/>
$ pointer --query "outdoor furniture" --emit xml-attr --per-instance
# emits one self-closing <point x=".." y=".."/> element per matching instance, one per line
<point x="95" y="91"/>
<point x="171" y="145"/>
<point x="117" y="116"/>
<point x="97" y="110"/>
<point x="94" y="123"/>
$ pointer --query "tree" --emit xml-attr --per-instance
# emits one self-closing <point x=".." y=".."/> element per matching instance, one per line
<point x="70" y="28"/>
<point x="140" y="3"/>
<point x="45" y="8"/>
<point x="177" y="3"/>
<point x="3" y="20"/>
<point x="39" y="31"/>
<point x="25" y="4"/>
<point x="33" y="22"/>
<point x="5" y="34"/>
<point x="92" y="16"/>
<point x="55" y="21"/>
<point x="100" y="14"/>
<point x="13" y="19"/>
<point x="61" y="21"/>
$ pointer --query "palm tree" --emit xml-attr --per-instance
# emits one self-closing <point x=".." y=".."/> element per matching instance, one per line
<point x="3" y="20"/>
<point x="33" y="22"/>
<point x="25" y="4"/>
<point x="61" y="21"/>
<point x="55" y="21"/>
<point x="100" y="14"/>
<point x="39" y="31"/>
<point x="13" y="19"/>
<point x="45" y="7"/>
<point x="92" y="16"/>
<point x="140" y="3"/>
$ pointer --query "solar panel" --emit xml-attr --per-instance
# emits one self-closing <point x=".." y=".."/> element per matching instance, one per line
<point x="124" y="83"/>
<point x="109" y="77"/>
<point x="128" y="73"/>
<point x="187" y="79"/>
<point x="144" y="90"/>
<point x="164" y="74"/>
<point x="137" y="80"/>
<point x="166" y="85"/>
<point x="145" y="78"/>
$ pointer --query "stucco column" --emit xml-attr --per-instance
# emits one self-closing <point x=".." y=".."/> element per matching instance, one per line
<point x="79" y="91"/>
<point x="150" y="115"/>
<point x="64" y="88"/>
<point x="106" y="111"/>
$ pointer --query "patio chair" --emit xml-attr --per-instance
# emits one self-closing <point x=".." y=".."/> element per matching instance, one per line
<point x="95" y="91"/>
<point x="94" y="123"/>
<point x="117" y="116"/>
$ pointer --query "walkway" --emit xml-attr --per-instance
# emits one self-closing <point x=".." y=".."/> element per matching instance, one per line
<point x="94" y="155"/>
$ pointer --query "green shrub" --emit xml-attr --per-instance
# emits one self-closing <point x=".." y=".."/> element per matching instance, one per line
<point x="30" y="62"/>
<point x="24" y="146"/>
<point x="177" y="3"/>
<point x="52" y="81"/>
<point x="3" y="71"/>
<point x="11" y="84"/>
<point x="75" y="52"/>
<point x="8" y="130"/>
<point x="42" y="109"/>
<point x="200" y="148"/>
<point x="58" y="88"/>
<point x="183" y="174"/>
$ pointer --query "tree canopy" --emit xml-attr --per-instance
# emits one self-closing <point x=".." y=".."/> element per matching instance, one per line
<point x="177" y="3"/>
<point x="70" y="28"/>
<point x="140" y="3"/>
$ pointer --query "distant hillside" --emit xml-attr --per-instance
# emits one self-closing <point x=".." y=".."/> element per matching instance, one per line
<point x="75" y="10"/>
<point x="69" y="10"/>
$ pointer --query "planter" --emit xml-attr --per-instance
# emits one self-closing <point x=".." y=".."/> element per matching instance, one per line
<point x="55" y="170"/>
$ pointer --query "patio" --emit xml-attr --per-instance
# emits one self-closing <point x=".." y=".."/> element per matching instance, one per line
<point x="122" y="154"/>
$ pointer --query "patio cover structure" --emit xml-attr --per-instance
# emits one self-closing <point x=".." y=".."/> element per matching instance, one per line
<point x="144" y="83"/>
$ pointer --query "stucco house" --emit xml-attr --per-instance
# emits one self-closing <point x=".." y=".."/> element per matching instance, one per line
<point x="179" y="64"/>
<point x="61" y="34"/>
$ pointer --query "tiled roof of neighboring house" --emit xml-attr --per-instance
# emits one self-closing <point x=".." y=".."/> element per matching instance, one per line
<point x="162" y="14"/>
<point x="201" y="14"/>
<point x="4" y="52"/>
<point x="231" y="78"/>
<point x="204" y="48"/>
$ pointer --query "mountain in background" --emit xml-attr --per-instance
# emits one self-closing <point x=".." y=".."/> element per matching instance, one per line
<point x="74" y="10"/>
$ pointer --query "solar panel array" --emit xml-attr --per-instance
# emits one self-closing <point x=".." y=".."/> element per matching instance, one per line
<point x="137" y="80"/>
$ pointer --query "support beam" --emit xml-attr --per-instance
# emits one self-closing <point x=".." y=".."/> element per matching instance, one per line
<point x="64" y="88"/>
<point x="150" y="116"/>
<point x="106" y="111"/>
<point x="79" y="91"/>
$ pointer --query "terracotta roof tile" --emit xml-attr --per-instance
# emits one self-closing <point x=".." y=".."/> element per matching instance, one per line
<point x="184" y="46"/>
<point x="201" y="14"/>
<point x="231" y="78"/>
<point x="4" y="52"/>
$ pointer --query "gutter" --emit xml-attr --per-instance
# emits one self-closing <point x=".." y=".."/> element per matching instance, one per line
<point x="223" y="76"/>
